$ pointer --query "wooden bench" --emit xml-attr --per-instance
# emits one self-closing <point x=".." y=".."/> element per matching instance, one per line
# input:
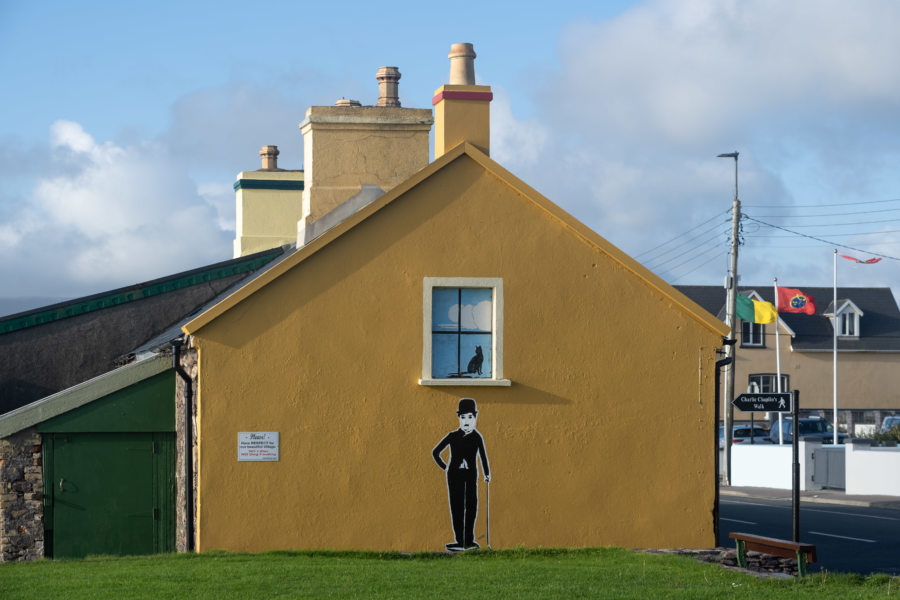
<point x="804" y="553"/>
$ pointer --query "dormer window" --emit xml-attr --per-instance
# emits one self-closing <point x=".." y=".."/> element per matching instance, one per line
<point x="849" y="324"/>
<point x="845" y="319"/>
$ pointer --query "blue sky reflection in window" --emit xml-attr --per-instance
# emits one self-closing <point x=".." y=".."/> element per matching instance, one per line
<point x="461" y="334"/>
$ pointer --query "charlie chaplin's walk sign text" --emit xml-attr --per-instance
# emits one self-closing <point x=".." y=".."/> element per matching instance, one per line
<point x="767" y="402"/>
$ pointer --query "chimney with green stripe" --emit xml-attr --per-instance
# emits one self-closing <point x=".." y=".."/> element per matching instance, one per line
<point x="268" y="203"/>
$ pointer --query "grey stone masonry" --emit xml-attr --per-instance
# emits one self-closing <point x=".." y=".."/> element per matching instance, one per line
<point x="21" y="497"/>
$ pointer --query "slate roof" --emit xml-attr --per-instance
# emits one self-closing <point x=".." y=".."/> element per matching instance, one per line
<point x="879" y="326"/>
<point x="52" y="348"/>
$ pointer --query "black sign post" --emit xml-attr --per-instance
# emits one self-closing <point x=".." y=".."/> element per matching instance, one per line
<point x="781" y="402"/>
<point x="795" y="442"/>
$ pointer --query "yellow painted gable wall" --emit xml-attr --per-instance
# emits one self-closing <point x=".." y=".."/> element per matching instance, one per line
<point x="604" y="438"/>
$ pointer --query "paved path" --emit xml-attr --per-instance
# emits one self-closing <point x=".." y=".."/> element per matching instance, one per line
<point x="822" y="496"/>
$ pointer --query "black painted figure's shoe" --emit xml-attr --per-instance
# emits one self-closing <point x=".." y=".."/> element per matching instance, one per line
<point x="454" y="547"/>
<point x="473" y="546"/>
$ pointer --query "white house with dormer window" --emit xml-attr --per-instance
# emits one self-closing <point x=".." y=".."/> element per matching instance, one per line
<point x="868" y="358"/>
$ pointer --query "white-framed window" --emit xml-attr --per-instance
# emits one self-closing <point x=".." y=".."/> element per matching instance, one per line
<point x="849" y="324"/>
<point x="766" y="383"/>
<point x="753" y="334"/>
<point x="462" y="324"/>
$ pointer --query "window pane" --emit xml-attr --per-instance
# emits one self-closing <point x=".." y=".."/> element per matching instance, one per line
<point x="751" y="334"/>
<point x="444" y="355"/>
<point x="444" y="309"/>
<point x="475" y="356"/>
<point x="477" y="311"/>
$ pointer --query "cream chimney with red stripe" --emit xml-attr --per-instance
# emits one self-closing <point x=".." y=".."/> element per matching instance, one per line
<point x="462" y="110"/>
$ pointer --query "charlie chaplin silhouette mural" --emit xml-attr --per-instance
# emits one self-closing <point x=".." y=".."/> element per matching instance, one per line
<point x="465" y="445"/>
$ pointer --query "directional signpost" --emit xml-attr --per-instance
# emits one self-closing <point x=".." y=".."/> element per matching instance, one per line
<point x="781" y="402"/>
<point x="763" y="402"/>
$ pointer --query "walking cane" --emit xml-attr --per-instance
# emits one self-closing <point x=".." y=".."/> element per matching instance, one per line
<point x="489" y="515"/>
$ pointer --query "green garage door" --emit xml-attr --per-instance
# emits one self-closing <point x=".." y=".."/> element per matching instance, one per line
<point x="109" y="493"/>
<point x="109" y="474"/>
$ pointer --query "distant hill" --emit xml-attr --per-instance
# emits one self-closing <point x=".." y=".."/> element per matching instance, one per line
<point x="11" y="306"/>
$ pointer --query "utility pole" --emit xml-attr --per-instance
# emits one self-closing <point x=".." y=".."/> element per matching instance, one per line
<point x="730" y="309"/>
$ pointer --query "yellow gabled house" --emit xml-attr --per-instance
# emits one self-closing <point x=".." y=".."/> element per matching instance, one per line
<point x="325" y="385"/>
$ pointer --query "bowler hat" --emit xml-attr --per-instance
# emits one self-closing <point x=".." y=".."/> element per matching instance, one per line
<point x="467" y="405"/>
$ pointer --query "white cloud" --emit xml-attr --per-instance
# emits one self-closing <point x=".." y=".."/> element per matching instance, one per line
<point x="640" y="105"/>
<point x="220" y="196"/>
<point x="694" y="70"/>
<point x="103" y="214"/>
<point x="114" y="216"/>
<point x="515" y="143"/>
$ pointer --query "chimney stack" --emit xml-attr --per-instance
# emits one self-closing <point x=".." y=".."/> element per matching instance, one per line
<point x="269" y="156"/>
<point x="388" y="81"/>
<point x="462" y="110"/>
<point x="268" y="203"/>
<point x="350" y="150"/>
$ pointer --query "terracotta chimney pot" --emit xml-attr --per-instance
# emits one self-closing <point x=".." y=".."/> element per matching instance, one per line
<point x="269" y="156"/>
<point x="388" y="78"/>
<point x="462" y="64"/>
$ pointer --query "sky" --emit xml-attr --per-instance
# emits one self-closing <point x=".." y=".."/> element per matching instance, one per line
<point x="123" y="125"/>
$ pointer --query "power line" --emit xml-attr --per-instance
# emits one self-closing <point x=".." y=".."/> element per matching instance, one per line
<point x="691" y="249"/>
<point x="821" y="240"/>
<point x="715" y="227"/>
<point x="861" y="212"/>
<point x="763" y="235"/>
<point x="681" y="264"/>
<point x="835" y="224"/>
<point x="823" y="205"/>
<point x="717" y="215"/>
<point x="703" y="264"/>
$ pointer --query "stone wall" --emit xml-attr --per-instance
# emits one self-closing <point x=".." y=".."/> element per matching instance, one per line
<point x="189" y="364"/>
<point x="21" y="497"/>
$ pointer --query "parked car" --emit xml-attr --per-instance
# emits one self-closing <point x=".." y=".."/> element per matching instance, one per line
<point x="892" y="421"/>
<point x="741" y="434"/>
<point x="814" y="428"/>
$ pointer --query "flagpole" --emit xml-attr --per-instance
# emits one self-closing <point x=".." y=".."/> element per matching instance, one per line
<point x="834" y="320"/>
<point x="778" y="361"/>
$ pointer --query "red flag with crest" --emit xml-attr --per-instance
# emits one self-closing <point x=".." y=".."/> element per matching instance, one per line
<point x="792" y="300"/>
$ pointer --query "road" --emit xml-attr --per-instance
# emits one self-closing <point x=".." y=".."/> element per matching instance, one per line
<point x="847" y="538"/>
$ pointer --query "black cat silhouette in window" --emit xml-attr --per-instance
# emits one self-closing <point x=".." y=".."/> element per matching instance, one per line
<point x="475" y="362"/>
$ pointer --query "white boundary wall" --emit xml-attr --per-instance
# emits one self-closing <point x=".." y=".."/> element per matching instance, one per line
<point x="771" y="465"/>
<point x="762" y="465"/>
<point x="873" y="470"/>
<point x="868" y="470"/>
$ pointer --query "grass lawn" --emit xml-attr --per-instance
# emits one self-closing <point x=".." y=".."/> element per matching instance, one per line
<point x="516" y="574"/>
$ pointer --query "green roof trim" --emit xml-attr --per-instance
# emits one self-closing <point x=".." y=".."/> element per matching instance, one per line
<point x="81" y="306"/>
<point x="267" y="184"/>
